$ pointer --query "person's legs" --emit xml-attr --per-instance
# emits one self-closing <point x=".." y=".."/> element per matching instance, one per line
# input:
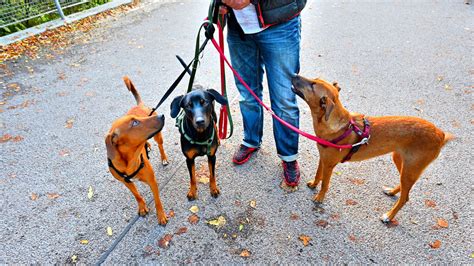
<point x="246" y="59"/>
<point x="280" y="49"/>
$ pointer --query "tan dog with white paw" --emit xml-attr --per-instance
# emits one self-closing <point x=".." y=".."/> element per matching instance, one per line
<point x="414" y="142"/>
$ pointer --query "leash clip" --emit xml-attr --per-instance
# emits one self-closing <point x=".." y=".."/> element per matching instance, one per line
<point x="210" y="29"/>
<point x="362" y="142"/>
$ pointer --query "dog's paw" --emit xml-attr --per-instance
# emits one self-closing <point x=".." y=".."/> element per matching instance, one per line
<point x="318" y="199"/>
<point x="385" y="219"/>
<point x="215" y="192"/>
<point x="143" y="211"/>
<point x="312" y="184"/>
<point x="162" y="220"/>
<point x="165" y="162"/>
<point x="388" y="191"/>
<point x="192" y="195"/>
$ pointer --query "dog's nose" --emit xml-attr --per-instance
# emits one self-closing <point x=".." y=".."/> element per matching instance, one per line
<point x="199" y="121"/>
<point x="160" y="117"/>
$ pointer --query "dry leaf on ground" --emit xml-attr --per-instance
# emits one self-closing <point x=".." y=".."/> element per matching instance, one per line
<point x="69" y="123"/>
<point x="219" y="222"/>
<point x="194" y="209"/>
<point x="84" y="241"/>
<point x="253" y="204"/>
<point x="193" y="219"/>
<point x="109" y="231"/>
<point x="305" y="239"/>
<point x="34" y="196"/>
<point x="171" y="213"/>
<point x="443" y="223"/>
<point x="245" y="253"/>
<point x="294" y="217"/>
<point x="436" y="244"/>
<point x="430" y="203"/>
<point x="52" y="195"/>
<point x="90" y="193"/>
<point x="351" y="202"/>
<point x="181" y="230"/>
<point x="164" y="242"/>
<point x="322" y="223"/>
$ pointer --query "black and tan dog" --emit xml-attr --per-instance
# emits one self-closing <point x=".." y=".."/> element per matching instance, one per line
<point x="414" y="142"/>
<point x="197" y="125"/>
<point x="127" y="150"/>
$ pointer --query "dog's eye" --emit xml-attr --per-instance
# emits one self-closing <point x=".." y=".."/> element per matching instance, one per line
<point x="202" y="101"/>
<point x="135" y="123"/>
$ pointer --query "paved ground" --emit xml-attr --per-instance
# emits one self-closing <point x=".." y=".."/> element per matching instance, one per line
<point x="392" y="58"/>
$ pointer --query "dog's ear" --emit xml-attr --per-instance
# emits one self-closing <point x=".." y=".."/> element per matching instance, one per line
<point x="111" y="145"/>
<point x="336" y="86"/>
<point x="217" y="96"/>
<point x="176" y="106"/>
<point x="327" y="105"/>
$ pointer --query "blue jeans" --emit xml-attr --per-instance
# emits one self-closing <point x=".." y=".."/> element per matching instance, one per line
<point x="275" y="50"/>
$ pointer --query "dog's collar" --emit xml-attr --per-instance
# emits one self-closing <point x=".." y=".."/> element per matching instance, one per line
<point x="127" y="178"/>
<point x="364" y="136"/>
<point x="208" y="143"/>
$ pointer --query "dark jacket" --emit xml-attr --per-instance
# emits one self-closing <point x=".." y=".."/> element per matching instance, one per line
<point x="270" y="12"/>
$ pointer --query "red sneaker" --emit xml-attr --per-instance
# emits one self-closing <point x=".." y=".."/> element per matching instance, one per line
<point x="243" y="154"/>
<point x="291" y="173"/>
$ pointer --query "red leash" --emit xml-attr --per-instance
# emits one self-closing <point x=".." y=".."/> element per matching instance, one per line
<point x="288" y="125"/>
<point x="223" y="112"/>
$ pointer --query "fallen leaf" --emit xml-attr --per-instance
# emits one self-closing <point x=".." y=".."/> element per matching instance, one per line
<point x="164" y="242"/>
<point x="193" y="219"/>
<point x="203" y="180"/>
<point x="352" y="238"/>
<point x="357" y="181"/>
<point x="335" y="216"/>
<point x="338" y="173"/>
<point x="305" y="239"/>
<point x="194" y="209"/>
<point x="84" y="241"/>
<point x="322" y="223"/>
<point x="69" y="123"/>
<point x="245" y="253"/>
<point x="294" y="217"/>
<point x="90" y="194"/>
<point x="109" y="231"/>
<point x="351" y="202"/>
<point x="64" y="152"/>
<point x="430" y="203"/>
<point x="241" y="227"/>
<point x="219" y="222"/>
<point x="61" y="76"/>
<point x="440" y="78"/>
<point x="52" y="195"/>
<point x="447" y="87"/>
<point x="5" y="138"/>
<point x="181" y="230"/>
<point x="253" y="204"/>
<point x="34" y="196"/>
<point x="171" y="214"/>
<point x="17" y="139"/>
<point x="442" y="223"/>
<point x="436" y="244"/>
<point x="74" y="258"/>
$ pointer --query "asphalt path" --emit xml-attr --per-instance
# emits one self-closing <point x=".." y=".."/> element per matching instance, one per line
<point x="390" y="58"/>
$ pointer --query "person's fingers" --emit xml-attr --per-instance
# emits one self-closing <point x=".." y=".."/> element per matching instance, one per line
<point x="223" y="10"/>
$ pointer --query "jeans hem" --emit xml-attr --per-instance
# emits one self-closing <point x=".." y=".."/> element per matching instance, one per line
<point x="250" y="145"/>
<point x="288" y="158"/>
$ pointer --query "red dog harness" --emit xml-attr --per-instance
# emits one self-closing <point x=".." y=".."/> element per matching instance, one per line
<point x="364" y="136"/>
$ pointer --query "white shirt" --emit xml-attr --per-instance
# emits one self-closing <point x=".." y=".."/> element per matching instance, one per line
<point x="248" y="19"/>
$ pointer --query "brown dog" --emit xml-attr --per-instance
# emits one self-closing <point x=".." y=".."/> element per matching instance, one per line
<point x="127" y="150"/>
<point x="414" y="142"/>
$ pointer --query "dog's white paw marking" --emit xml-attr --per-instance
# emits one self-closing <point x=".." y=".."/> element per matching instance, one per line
<point x="385" y="218"/>
<point x="165" y="162"/>
<point x="387" y="190"/>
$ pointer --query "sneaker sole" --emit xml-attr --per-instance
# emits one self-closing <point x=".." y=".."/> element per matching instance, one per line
<point x="244" y="160"/>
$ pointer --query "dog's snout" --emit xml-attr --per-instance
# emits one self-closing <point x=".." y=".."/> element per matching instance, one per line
<point x="200" y="121"/>
<point x="160" y="117"/>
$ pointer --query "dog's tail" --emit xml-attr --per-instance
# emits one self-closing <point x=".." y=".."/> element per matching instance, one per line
<point x="448" y="137"/>
<point x="132" y="89"/>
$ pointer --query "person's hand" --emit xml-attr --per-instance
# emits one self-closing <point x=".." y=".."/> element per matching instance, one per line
<point x="236" y="4"/>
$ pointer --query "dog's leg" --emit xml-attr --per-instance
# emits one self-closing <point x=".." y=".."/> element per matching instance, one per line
<point x="142" y="208"/>
<point x="159" y="140"/>
<point x="211" y="161"/>
<point x="397" y="159"/>
<point x="192" y="194"/>
<point x="317" y="178"/>
<point x="160" y="213"/>
<point x="326" y="178"/>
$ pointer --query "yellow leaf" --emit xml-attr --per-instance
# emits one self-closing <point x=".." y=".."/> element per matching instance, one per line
<point x="245" y="253"/>
<point x="219" y="222"/>
<point x="90" y="193"/>
<point x="241" y="227"/>
<point x="194" y="209"/>
<point x="74" y="258"/>
<point x="203" y="180"/>
<point x="84" y="241"/>
<point x="253" y="204"/>
<point x="109" y="231"/>
<point x="338" y="173"/>
<point x="305" y="239"/>
<point x="442" y="223"/>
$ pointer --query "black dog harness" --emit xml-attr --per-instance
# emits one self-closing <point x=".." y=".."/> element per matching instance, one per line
<point x="127" y="178"/>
